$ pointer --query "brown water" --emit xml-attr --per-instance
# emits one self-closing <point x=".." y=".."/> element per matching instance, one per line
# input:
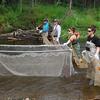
<point x="47" y="88"/>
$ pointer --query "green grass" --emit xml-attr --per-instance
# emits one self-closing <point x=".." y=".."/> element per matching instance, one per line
<point x="12" y="19"/>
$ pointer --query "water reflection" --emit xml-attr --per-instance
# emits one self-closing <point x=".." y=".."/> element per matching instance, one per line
<point x="47" y="88"/>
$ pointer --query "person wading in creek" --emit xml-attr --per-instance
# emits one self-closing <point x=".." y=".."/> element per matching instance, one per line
<point x="56" y="33"/>
<point x="43" y="29"/>
<point x="91" y="55"/>
<point x="74" y="40"/>
<point x="73" y="43"/>
<point x="93" y="39"/>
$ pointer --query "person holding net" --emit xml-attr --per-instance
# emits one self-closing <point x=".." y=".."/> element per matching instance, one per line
<point x="94" y="41"/>
<point x="91" y="55"/>
<point x="74" y="40"/>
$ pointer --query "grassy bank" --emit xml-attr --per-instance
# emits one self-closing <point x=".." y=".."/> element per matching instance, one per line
<point x="12" y="19"/>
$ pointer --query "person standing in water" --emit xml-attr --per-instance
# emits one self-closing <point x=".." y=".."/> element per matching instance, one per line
<point x="56" y="31"/>
<point x="74" y="39"/>
<point x="43" y="29"/>
<point x="91" y="55"/>
<point x="93" y="39"/>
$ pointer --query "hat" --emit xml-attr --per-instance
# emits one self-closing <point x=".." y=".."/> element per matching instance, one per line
<point x="46" y="19"/>
<point x="55" y="20"/>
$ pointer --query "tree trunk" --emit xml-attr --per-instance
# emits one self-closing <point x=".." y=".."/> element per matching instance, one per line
<point x="70" y="5"/>
<point x="85" y="3"/>
<point x="21" y="5"/>
<point x="33" y="3"/>
<point x="69" y="13"/>
<point x="58" y="2"/>
<point x="94" y="4"/>
<point x="3" y="2"/>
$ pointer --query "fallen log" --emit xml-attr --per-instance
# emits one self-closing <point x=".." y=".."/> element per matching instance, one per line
<point x="21" y="35"/>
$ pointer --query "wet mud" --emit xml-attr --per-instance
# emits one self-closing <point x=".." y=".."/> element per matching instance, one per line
<point x="47" y="88"/>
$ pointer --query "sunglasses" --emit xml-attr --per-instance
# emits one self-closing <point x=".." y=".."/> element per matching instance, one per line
<point x="68" y="30"/>
<point x="89" y="31"/>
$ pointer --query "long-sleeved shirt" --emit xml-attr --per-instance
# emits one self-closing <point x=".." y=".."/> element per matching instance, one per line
<point x="57" y="29"/>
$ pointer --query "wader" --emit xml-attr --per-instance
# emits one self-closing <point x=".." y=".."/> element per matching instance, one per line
<point x="93" y="71"/>
<point x="45" y="38"/>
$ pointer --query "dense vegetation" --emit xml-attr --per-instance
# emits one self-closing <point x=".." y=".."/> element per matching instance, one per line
<point x="14" y="17"/>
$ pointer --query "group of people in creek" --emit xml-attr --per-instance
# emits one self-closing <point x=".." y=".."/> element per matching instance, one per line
<point x="55" y="32"/>
<point x="92" y="44"/>
<point x="50" y="31"/>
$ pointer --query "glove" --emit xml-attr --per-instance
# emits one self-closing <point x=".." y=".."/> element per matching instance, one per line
<point x="37" y="28"/>
<point x="96" y="56"/>
<point x="40" y="31"/>
<point x="57" y="39"/>
<point x="65" y="44"/>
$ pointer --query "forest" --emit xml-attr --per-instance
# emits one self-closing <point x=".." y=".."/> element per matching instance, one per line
<point x="15" y="14"/>
<point x="78" y="3"/>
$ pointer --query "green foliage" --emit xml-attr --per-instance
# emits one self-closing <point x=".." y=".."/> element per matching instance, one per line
<point x="48" y="11"/>
<point x="12" y="19"/>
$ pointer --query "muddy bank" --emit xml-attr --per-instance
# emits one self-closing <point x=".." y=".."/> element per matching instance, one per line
<point x="47" y="88"/>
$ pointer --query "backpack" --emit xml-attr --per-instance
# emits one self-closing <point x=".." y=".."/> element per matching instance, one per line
<point x="50" y="28"/>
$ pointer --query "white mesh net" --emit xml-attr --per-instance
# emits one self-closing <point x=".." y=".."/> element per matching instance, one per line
<point x="36" y="60"/>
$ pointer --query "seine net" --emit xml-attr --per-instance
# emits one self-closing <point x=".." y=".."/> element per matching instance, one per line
<point x="36" y="60"/>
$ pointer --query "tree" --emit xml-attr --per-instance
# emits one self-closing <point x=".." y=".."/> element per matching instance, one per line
<point x="20" y="5"/>
<point x="33" y="2"/>
<point x="70" y="5"/>
<point x="70" y="8"/>
<point x="3" y="2"/>
<point x="94" y="4"/>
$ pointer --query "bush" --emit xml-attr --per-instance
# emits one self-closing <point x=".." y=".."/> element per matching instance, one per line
<point x="13" y="18"/>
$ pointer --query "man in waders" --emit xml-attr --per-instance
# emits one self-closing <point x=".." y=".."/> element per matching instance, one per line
<point x="91" y="55"/>
<point x="56" y="31"/>
<point x="43" y="30"/>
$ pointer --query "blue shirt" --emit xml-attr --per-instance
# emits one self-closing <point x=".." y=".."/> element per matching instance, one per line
<point x="46" y="27"/>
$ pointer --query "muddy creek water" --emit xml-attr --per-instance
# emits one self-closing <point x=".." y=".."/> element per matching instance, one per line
<point x="75" y="87"/>
<point x="47" y="88"/>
